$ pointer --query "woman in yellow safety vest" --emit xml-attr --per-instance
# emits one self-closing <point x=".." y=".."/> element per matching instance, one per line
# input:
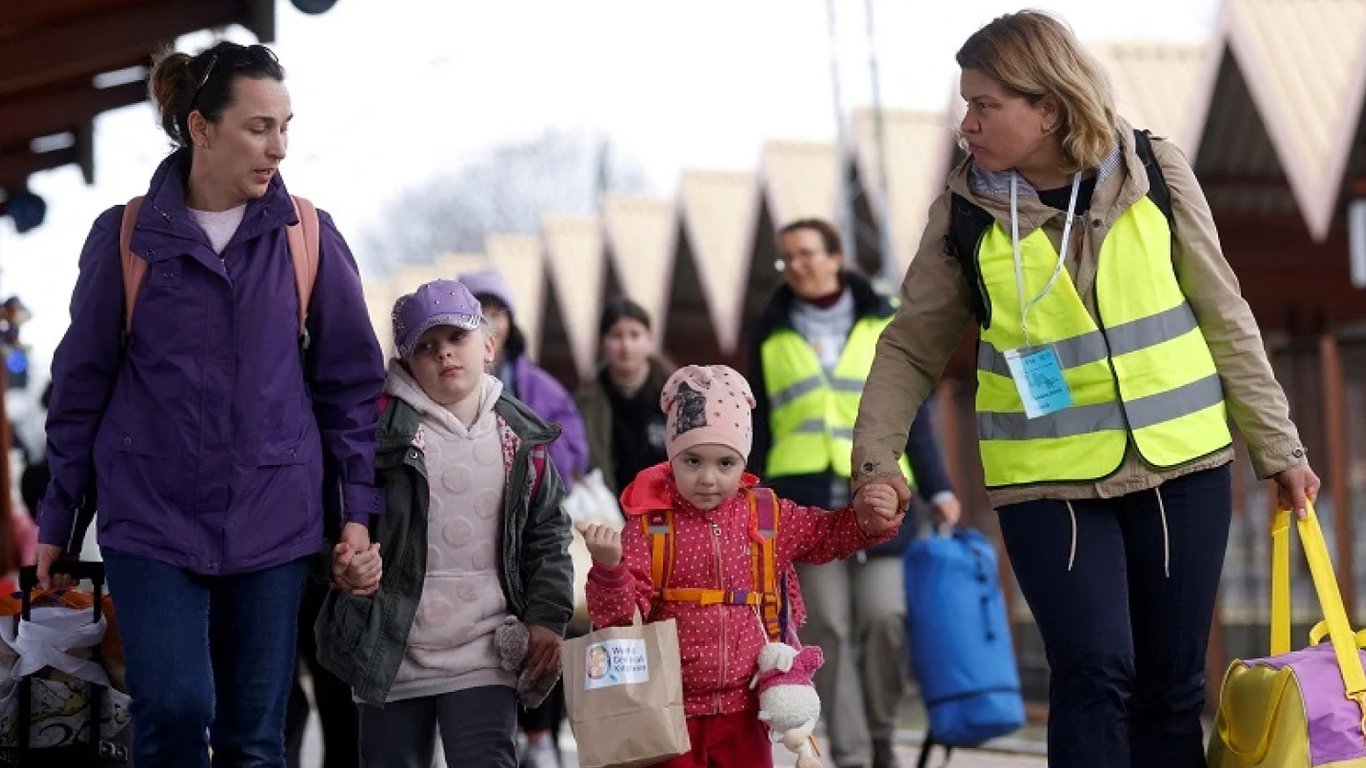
<point x="1114" y="344"/>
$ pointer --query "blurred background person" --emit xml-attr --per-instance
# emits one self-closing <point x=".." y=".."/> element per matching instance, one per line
<point x="813" y="347"/>
<point x="549" y="400"/>
<point x="620" y="405"/>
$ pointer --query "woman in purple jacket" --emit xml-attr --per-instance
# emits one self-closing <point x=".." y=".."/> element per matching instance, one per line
<point x="200" y="437"/>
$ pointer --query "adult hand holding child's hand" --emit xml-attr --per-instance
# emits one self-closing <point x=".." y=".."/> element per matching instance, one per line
<point x="878" y="509"/>
<point x="604" y="543"/>
<point x="356" y="562"/>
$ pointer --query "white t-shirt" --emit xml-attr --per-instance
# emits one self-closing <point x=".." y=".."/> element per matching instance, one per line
<point x="219" y="225"/>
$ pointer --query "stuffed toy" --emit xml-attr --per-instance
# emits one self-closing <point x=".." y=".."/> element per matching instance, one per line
<point x="788" y="703"/>
<point x="512" y="640"/>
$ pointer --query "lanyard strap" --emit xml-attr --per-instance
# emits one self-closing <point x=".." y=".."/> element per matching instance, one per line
<point x="1015" y="248"/>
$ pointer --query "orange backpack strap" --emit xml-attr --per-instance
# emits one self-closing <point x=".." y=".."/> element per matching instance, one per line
<point x="659" y="529"/>
<point x="134" y="266"/>
<point x="763" y="516"/>
<point x="304" y="251"/>
<point x="764" y="593"/>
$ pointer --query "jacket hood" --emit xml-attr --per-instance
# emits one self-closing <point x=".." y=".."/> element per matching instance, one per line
<point x="654" y="489"/>
<point x="402" y="385"/>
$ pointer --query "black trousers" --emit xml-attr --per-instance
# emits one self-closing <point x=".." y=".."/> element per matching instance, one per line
<point x="1123" y="592"/>
<point x="332" y="697"/>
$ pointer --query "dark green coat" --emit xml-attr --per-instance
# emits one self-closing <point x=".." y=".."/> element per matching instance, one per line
<point x="362" y="639"/>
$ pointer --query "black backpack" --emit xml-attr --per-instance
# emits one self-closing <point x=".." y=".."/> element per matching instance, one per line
<point x="968" y="223"/>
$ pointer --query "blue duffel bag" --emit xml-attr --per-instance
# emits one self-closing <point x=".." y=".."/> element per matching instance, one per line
<point x="960" y="639"/>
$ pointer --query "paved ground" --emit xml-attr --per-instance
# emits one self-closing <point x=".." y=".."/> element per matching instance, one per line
<point x="1021" y="751"/>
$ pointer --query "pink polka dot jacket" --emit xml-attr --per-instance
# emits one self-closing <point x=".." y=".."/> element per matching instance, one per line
<point x="719" y="644"/>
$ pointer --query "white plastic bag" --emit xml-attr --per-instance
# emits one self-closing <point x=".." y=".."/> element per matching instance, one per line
<point x="60" y="696"/>
<point x="590" y="501"/>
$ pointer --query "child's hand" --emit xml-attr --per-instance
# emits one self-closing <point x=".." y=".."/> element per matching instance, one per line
<point x="604" y="543"/>
<point x="356" y="562"/>
<point x="543" y="651"/>
<point x="878" y="509"/>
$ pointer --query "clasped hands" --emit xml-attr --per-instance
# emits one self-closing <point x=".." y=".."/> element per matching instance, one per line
<point x="356" y="563"/>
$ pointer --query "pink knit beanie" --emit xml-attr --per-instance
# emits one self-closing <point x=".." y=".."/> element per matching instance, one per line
<point x="707" y="404"/>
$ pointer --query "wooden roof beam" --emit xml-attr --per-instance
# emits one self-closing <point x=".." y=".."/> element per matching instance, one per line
<point x="99" y="43"/>
<point x="57" y="111"/>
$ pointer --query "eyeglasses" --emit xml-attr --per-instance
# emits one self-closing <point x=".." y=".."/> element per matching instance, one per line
<point x="251" y="51"/>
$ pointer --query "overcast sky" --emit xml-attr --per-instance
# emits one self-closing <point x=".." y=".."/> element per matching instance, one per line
<point x="388" y="93"/>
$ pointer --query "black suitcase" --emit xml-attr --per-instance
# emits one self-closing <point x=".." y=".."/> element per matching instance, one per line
<point x="89" y="752"/>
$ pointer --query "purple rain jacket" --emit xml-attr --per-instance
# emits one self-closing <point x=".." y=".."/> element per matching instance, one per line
<point x="200" y="441"/>
<point x="551" y="402"/>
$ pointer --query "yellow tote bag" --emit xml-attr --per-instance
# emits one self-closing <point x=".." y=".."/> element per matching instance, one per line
<point x="1301" y="709"/>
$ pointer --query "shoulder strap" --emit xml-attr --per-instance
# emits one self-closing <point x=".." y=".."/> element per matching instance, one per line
<point x="968" y="222"/>
<point x="659" y="529"/>
<point x="1157" y="183"/>
<point x="304" y="251"/>
<point x="134" y="266"/>
<point x="763" y="509"/>
<point x="537" y="468"/>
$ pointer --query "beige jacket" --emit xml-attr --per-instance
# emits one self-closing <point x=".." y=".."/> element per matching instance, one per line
<point x="915" y="348"/>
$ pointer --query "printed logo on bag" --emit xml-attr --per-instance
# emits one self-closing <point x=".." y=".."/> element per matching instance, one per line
<point x="615" y="662"/>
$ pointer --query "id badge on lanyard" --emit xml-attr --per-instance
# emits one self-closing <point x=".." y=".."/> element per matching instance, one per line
<point x="1036" y="369"/>
<point x="1039" y="380"/>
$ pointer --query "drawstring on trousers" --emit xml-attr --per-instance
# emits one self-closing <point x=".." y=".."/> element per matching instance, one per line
<point x="1166" y="539"/>
<point x="1072" y="553"/>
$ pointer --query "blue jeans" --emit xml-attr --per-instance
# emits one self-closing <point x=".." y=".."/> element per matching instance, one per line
<point x="1123" y="592"/>
<point x="210" y="660"/>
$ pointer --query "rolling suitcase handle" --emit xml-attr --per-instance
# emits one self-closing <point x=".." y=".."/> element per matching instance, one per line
<point x="28" y="580"/>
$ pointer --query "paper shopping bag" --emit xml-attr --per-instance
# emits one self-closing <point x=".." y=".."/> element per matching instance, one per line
<point x="625" y="695"/>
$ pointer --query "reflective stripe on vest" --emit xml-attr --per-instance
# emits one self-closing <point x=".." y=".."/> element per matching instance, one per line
<point x="811" y="415"/>
<point x="1144" y="374"/>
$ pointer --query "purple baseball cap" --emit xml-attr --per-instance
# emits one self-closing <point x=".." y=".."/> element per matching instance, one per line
<point x="440" y="302"/>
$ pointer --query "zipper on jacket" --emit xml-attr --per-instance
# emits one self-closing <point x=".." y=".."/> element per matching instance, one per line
<point x="725" y="614"/>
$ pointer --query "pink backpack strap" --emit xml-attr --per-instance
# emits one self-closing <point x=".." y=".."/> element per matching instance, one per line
<point x="537" y="468"/>
<point x="134" y="266"/>
<point x="304" y="253"/>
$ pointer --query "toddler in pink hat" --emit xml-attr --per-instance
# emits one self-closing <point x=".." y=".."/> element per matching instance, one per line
<point x="699" y="538"/>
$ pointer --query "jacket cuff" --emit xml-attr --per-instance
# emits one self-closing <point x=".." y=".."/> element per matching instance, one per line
<point x="55" y="524"/>
<point x="361" y="501"/>
<point x="1278" y="456"/>
<point x="869" y="470"/>
<point x="609" y="576"/>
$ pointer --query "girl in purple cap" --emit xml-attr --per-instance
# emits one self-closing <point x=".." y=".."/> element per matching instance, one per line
<point x="475" y="551"/>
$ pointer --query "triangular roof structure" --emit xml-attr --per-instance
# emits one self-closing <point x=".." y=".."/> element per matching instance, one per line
<point x="1304" y="62"/>
<point x="1160" y="86"/>
<point x="719" y="210"/>
<point x="640" y="234"/>
<point x="800" y="180"/>
<point x="519" y="259"/>
<point x="576" y="256"/>
<point x="919" y="150"/>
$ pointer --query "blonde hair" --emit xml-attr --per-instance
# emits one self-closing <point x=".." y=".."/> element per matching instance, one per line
<point x="1036" y="55"/>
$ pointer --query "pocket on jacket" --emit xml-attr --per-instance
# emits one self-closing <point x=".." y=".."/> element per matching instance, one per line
<point x="351" y="619"/>
<point x="141" y="441"/>
<point x="283" y="444"/>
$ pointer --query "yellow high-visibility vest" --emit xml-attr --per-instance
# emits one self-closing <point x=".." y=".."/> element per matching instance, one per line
<point x="812" y="415"/>
<point x="1144" y="374"/>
